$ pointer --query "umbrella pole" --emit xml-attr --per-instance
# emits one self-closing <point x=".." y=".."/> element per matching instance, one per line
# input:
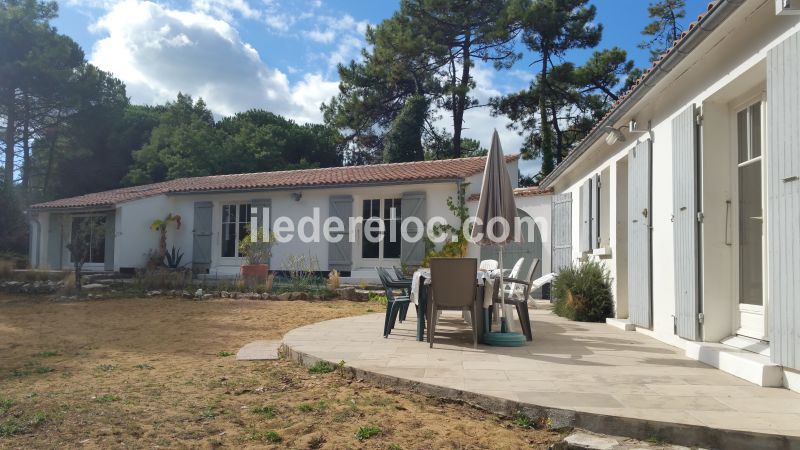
<point x="503" y="323"/>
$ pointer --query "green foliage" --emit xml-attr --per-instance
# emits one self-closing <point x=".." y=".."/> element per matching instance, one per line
<point x="321" y="367"/>
<point x="266" y="411"/>
<point x="269" y="436"/>
<point x="107" y="398"/>
<point x="367" y="432"/>
<point x="85" y="237"/>
<point x="426" y="49"/>
<point x="404" y="139"/>
<point x="665" y="28"/>
<point x="160" y="278"/>
<point x="224" y="354"/>
<point x="451" y="248"/>
<point x="583" y="292"/>
<point x="188" y="142"/>
<point x="378" y="298"/>
<point x="172" y="259"/>
<point x="563" y="101"/>
<point x="48" y="354"/>
<point x="13" y="226"/>
<point x="260" y="251"/>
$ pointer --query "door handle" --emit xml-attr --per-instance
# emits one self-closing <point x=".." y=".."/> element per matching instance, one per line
<point x="644" y="212"/>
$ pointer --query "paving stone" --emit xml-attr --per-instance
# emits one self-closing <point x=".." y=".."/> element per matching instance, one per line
<point x="578" y="374"/>
<point x="259" y="350"/>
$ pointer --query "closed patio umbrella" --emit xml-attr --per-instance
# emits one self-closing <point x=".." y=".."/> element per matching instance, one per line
<point x="495" y="226"/>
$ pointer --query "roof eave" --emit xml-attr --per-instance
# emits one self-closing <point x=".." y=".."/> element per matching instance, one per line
<point x="719" y="13"/>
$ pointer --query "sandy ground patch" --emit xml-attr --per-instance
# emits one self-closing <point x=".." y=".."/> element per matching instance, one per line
<point x="161" y="372"/>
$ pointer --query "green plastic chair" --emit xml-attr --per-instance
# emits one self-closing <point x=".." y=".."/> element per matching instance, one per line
<point x="395" y="303"/>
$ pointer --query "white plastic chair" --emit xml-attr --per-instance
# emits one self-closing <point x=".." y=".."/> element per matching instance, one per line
<point x="489" y="264"/>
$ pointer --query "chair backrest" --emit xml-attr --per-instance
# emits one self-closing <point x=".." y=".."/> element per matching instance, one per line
<point x="385" y="280"/>
<point x="510" y="287"/>
<point x="520" y="289"/>
<point x="489" y="264"/>
<point x="398" y="272"/>
<point x="453" y="281"/>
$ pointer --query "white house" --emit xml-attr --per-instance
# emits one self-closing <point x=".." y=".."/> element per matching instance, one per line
<point x="689" y="191"/>
<point x="215" y="210"/>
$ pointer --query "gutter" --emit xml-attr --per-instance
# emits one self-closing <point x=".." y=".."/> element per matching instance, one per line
<point x="723" y="10"/>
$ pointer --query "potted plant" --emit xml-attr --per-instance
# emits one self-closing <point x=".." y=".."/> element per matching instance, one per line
<point x="257" y="253"/>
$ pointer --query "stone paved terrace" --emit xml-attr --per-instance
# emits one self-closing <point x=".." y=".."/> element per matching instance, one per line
<point x="591" y="376"/>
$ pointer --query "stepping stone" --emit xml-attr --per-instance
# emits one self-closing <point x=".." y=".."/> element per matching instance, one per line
<point x="259" y="350"/>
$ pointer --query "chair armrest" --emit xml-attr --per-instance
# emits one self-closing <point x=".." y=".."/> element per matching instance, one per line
<point x="516" y="280"/>
<point x="399" y="284"/>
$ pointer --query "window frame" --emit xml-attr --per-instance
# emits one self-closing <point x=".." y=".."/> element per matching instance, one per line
<point x="239" y="223"/>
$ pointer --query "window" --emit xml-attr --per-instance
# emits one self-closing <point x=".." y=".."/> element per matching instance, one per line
<point x="389" y="244"/>
<point x="391" y="222"/>
<point x="97" y="243"/>
<point x="235" y="221"/>
<point x="748" y="131"/>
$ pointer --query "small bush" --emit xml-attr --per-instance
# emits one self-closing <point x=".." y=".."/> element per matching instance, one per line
<point x="321" y="367"/>
<point x="583" y="292"/>
<point x="378" y="298"/>
<point x="333" y="280"/>
<point x="162" y="278"/>
<point x="266" y="411"/>
<point x="269" y="436"/>
<point x="224" y="354"/>
<point x="6" y="269"/>
<point x="367" y="432"/>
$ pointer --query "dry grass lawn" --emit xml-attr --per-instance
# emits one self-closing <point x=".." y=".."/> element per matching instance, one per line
<point x="161" y="372"/>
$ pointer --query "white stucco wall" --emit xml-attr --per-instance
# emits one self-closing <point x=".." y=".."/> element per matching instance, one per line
<point x="725" y="70"/>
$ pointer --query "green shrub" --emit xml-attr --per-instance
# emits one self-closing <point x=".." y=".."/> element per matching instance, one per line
<point x="378" y="298"/>
<point x="321" y="367"/>
<point x="367" y="432"/>
<point x="583" y="292"/>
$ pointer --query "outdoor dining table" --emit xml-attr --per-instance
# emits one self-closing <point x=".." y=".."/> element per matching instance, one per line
<point x="485" y="281"/>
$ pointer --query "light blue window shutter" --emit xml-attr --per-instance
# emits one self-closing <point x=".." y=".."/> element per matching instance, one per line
<point x="783" y="201"/>
<point x="685" y="224"/>
<point x="640" y="302"/>
<point x="55" y="243"/>
<point x="257" y="208"/>
<point x="562" y="231"/>
<point x="585" y="226"/>
<point x="413" y="204"/>
<point x="201" y="236"/>
<point x="110" y="235"/>
<point x="340" y="254"/>
<point x="595" y="206"/>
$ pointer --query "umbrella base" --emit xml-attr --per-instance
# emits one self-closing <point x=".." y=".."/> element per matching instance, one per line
<point x="500" y="339"/>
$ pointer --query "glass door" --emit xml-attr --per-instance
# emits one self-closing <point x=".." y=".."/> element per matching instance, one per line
<point x="750" y="222"/>
<point x="378" y="246"/>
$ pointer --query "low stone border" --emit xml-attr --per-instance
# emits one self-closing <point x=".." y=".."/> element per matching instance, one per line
<point x="556" y="418"/>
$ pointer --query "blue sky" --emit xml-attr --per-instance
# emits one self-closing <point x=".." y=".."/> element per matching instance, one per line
<point x="281" y="55"/>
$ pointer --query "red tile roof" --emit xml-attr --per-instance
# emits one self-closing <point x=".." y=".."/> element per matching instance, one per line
<point x="518" y="192"/>
<point x="418" y="171"/>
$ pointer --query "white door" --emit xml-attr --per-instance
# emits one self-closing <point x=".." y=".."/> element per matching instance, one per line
<point x="749" y="206"/>
<point x="379" y="237"/>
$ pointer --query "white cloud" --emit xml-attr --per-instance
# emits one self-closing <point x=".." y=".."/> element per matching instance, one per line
<point x="224" y="9"/>
<point x="159" y="51"/>
<point x="323" y="37"/>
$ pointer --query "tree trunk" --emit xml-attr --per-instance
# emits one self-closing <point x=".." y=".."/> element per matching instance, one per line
<point x="26" y="146"/>
<point x="461" y="101"/>
<point x="11" y="131"/>
<point x="559" y="151"/>
<point x="547" y="133"/>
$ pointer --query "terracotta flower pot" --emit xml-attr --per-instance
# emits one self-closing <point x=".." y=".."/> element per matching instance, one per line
<point x="255" y="272"/>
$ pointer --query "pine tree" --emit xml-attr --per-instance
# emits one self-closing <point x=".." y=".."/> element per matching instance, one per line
<point x="665" y="27"/>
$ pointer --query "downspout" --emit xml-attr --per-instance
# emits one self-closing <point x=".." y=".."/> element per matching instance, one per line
<point x="35" y="241"/>
<point x="720" y="12"/>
